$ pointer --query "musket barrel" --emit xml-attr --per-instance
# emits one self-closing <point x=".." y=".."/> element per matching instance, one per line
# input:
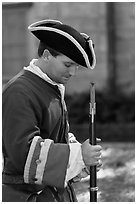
<point x="92" y="139"/>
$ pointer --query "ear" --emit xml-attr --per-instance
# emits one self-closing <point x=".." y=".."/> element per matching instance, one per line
<point x="46" y="54"/>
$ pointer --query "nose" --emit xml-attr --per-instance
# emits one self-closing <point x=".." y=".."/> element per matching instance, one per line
<point x="72" y="70"/>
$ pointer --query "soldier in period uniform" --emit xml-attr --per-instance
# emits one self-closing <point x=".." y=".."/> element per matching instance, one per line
<point x="41" y="157"/>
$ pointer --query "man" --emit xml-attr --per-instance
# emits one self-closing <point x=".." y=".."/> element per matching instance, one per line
<point x="41" y="157"/>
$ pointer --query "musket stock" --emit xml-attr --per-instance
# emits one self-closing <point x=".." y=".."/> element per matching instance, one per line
<point x="92" y="139"/>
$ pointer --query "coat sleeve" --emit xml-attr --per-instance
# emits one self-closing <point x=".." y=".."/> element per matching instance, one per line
<point x="46" y="163"/>
<point x="40" y="161"/>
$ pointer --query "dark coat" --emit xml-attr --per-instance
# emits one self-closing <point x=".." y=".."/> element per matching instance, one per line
<point x="32" y="109"/>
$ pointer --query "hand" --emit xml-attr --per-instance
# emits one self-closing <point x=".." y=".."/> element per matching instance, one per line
<point x="91" y="154"/>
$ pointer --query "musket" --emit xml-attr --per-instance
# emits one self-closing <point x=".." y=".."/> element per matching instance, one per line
<point x="92" y="139"/>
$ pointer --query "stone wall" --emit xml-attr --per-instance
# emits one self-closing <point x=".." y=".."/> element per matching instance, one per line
<point x="125" y="46"/>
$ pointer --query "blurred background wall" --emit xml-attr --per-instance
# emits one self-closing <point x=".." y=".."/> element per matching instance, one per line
<point x="111" y="26"/>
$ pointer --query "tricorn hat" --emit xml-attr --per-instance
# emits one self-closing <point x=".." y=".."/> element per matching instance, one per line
<point x="66" y="40"/>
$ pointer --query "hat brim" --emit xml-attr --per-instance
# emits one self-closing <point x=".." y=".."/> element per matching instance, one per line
<point x="66" y="44"/>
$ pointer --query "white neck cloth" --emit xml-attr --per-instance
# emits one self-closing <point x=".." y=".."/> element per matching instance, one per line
<point x="36" y="70"/>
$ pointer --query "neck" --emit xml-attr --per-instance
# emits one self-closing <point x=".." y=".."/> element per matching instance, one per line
<point x="41" y="64"/>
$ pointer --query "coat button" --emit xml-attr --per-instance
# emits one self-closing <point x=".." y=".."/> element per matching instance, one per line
<point x="41" y="144"/>
<point x="38" y="161"/>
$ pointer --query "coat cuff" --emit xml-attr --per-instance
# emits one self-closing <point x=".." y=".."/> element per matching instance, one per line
<point x="46" y="163"/>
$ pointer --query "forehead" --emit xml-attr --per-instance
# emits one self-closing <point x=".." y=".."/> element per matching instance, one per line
<point x="64" y="58"/>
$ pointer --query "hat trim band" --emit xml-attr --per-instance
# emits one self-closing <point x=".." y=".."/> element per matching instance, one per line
<point x="92" y="50"/>
<point x="71" y="39"/>
<point x="87" y="37"/>
<point x="44" y="21"/>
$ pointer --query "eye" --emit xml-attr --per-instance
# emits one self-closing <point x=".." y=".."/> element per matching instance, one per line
<point x="67" y="64"/>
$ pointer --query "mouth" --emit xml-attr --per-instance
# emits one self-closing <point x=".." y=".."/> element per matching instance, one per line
<point x="66" y="78"/>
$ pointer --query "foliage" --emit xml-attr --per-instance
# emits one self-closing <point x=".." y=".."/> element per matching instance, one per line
<point x="110" y="108"/>
<point x="116" y="132"/>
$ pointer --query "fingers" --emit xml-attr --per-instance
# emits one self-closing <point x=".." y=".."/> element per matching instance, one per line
<point x="96" y="151"/>
<point x="96" y="161"/>
<point x="99" y="165"/>
<point x="97" y="147"/>
<point x="96" y="155"/>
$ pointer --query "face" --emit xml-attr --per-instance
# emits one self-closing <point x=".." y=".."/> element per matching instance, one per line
<point x="61" y="68"/>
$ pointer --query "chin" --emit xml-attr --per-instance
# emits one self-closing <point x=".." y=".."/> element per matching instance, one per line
<point x="64" y="82"/>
